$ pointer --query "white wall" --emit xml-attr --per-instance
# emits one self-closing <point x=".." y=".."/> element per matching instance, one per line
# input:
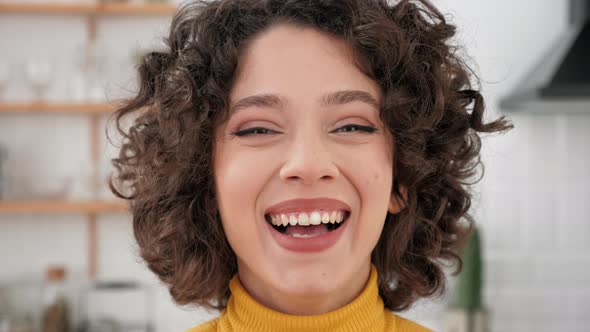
<point x="531" y="205"/>
<point x="532" y="202"/>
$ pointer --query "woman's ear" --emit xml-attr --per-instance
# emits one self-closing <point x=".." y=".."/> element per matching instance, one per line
<point x="396" y="204"/>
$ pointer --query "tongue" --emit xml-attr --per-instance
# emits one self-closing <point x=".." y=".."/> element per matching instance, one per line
<point x="307" y="231"/>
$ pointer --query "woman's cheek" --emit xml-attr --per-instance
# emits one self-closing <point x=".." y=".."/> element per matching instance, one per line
<point x="370" y="168"/>
<point x="240" y="176"/>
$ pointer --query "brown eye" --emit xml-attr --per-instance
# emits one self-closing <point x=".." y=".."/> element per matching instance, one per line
<point x="253" y="131"/>
<point x="354" y="127"/>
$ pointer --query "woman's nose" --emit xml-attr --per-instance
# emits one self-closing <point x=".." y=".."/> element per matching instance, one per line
<point x="308" y="159"/>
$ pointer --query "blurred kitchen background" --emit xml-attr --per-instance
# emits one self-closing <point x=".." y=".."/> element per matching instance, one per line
<point x="62" y="64"/>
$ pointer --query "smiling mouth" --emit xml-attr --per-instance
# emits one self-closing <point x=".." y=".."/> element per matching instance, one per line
<point x="329" y="227"/>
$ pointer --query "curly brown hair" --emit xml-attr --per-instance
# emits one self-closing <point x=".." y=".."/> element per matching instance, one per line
<point x="166" y="163"/>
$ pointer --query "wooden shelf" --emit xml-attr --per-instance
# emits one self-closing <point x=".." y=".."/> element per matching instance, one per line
<point x="127" y="9"/>
<point x="61" y="207"/>
<point x="84" y="108"/>
<point x="162" y="9"/>
<point x="91" y="12"/>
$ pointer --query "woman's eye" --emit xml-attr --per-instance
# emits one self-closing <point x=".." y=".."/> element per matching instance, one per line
<point x="266" y="131"/>
<point x="354" y="127"/>
<point x="253" y="131"/>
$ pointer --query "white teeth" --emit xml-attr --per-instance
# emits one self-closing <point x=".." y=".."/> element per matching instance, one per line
<point x="292" y="220"/>
<point x="333" y="217"/>
<point x="302" y="235"/>
<point x="325" y="218"/>
<point x="306" y="219"/>
<point x="314" y="218"/>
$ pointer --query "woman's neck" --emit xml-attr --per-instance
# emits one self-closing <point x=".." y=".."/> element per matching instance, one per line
<point x="300" y="303"/>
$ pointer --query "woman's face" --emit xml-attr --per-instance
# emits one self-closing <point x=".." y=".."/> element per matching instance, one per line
<point x="314" y="109"/>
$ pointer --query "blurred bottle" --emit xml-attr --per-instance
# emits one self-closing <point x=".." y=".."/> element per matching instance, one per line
<point x="3" y="158"/>
<point x="86" y="83"/>
<point x="77" y="82"/>
<point x="20" y="305"/>
<point x="20" y="324"/>
<point x="5" y="76"/>
<point x="56" y="307"/>
<point x="117" y="306"/>
<point x="39" y="71"/>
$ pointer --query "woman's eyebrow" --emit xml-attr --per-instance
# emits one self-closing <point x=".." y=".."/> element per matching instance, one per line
<point x="333" y="98"/>
<point x="348" y="96"/>
<point x="260" y="100"/>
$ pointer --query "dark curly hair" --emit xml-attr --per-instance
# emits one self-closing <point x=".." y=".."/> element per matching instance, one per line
<point x="165" y="161"/>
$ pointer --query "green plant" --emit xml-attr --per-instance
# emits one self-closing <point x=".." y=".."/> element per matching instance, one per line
<point x="468" y="293"/>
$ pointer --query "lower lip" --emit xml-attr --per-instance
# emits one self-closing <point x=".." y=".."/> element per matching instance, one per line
<point x="310" y="244"/>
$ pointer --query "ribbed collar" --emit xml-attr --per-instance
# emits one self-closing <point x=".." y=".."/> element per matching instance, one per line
<point x="365" y="313"/>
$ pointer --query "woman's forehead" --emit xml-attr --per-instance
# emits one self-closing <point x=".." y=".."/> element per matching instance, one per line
<point x="299" y="62"/>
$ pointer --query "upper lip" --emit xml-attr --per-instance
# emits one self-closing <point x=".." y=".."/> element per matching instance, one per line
<point x="307" y="205"/>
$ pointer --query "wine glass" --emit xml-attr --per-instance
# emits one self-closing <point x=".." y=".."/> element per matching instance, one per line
<point x="39" y="73"/>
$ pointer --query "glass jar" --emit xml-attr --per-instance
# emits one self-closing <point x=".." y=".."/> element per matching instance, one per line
<point x="19" y="305"/>
<point x="56" y="309"/>
<point x="117" y="306"/>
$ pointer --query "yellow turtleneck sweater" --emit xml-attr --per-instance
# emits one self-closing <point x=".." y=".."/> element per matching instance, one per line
<point x="365" y="313"/>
